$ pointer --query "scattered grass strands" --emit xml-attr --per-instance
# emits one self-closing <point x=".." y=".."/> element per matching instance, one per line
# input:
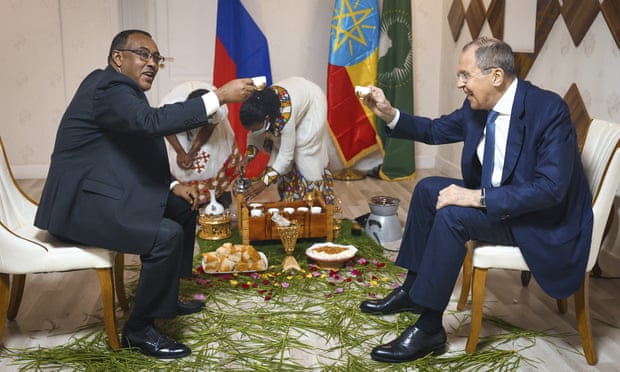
<point x="275" y="321"/>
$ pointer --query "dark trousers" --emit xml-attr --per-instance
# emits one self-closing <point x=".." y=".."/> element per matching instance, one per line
<point x="169" y="260"/>
<point x="433" y="243"/>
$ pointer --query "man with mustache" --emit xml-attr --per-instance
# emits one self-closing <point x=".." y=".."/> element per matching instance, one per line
<point x="109" y="183"/>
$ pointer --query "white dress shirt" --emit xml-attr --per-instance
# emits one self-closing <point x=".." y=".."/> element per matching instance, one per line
<point x="502" y="125"/>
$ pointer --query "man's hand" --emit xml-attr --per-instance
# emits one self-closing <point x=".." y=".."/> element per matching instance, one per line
<point x="237" y="90"/>
<point x="379" y="105"/>
<point x="457" y="195"/>
<point x="188" y="193"/>
<point x="185" y="161"/>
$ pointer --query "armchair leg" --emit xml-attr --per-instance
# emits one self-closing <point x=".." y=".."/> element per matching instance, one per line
<point x="106" y="282"/>
<point x="562" y="305"/>
<point x="5" y="280"/>
<point x="466" y="280"/>
<point x="582" y="311"/>
<point x="525" y="278"/>
<point x="17" y="292"/>
<point x="119" y="284"/>
<point x="480" y="278"/>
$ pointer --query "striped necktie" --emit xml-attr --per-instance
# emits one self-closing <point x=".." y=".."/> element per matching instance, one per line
<point x="489" y="150"/>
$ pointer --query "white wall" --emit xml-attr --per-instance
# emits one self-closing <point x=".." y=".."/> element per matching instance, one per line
<point x="47" y="48"/>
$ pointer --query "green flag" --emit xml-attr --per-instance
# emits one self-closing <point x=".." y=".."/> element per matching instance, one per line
<point x="395" y="77"/>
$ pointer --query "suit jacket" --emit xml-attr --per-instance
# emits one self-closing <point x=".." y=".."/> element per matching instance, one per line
<point x="109" y="179"/>
<point x="544" y="195"/>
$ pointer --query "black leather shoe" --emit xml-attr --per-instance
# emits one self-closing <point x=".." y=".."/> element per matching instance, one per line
<point x="412" y="344"/>
<point x="397" y="301"/>
<point x="150" y="341"/>
<point x="186" y="307"/>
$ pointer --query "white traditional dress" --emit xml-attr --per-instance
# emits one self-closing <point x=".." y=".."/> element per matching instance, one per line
<point x="215" y="165"/>
<point x="297" y="146"/>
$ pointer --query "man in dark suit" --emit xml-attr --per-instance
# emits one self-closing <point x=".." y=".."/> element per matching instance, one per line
<point x="109" y="183"/>
<point x="524" y="184"/>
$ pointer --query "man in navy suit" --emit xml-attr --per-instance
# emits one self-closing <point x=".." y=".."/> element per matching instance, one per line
<point x="109" y="183"/>
<point x="526" y="188"/>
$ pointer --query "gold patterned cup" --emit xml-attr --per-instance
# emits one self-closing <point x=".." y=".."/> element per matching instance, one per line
<point x="288" y="236"/>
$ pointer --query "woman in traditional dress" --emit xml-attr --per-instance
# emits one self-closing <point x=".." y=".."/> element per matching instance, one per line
<point x="206" y="157"/>
<point x="289" y="121"/>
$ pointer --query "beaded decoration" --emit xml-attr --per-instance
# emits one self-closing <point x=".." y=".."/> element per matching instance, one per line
<point x="285" y="109"/>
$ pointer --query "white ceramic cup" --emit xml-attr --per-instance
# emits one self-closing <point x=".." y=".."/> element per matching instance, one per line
<point x="273" y="210"/>
<point x="256" y="212"/>
<point x="302" y="209"/>
<point x="315" y="210"/>
<point x="260" y="82"/>
<point x="361" y="91"/>
<point x="290" y="210"/>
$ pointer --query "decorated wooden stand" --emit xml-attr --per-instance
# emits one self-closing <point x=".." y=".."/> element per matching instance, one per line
<point x="311" y="225"/>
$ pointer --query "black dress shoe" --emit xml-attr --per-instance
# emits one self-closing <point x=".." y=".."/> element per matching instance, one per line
<point x="186" y="307"/>
<point x="412" y="344"/>
<point x="150" y="341"/>
<point x="397" y="301"/>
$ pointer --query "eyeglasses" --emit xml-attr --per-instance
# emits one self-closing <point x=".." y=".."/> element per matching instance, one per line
<point x="466" y="76"/>
<point x="145" y="55"/>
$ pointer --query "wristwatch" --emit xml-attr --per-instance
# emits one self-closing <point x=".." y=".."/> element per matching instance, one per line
<point x="483" y="199"/>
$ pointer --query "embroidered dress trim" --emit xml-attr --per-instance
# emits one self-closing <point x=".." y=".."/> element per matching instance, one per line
<point x="285" y="109"/>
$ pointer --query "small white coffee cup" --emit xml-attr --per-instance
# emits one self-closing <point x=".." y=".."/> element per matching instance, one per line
<point x="315" y="210"/>
<point x="256" y="212"/>
<point x="260" y="82"/>
<point x="289" y="210"/>
<point x="273" y="210"/>
<point x="302" y="209"/>
<point x="361" y="91"/>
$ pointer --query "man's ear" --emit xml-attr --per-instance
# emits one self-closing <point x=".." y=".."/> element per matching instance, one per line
<point x="117" y="59"/>
<point x="498" y="76"/>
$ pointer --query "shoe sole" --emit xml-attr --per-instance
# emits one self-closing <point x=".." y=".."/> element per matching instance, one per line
<point x="125" y="345"/>
<point x="438" y="350"/>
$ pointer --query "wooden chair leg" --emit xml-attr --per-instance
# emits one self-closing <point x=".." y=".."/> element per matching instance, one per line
<point x="5" y="281"/>
<point x="525" y="278"/>
<point x="480" y="278"/>
<point x="466" y="280"/>
<point x="119" y="283"/>
<point x="17" y="292"/>
<point x="562" y="305"/>
<point x="582" y="311"/>
<point x="106" y="281"/>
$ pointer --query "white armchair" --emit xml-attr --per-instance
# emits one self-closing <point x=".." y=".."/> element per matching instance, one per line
<point x="601" y="160"/>
<point x="25" y="249"/>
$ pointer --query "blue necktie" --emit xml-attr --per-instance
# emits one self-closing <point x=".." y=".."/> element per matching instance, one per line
<point x="489" y="150"/>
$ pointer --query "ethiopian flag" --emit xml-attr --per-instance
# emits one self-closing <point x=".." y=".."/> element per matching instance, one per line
<point x="353" y="55"/>
<point x="396" y="79"/>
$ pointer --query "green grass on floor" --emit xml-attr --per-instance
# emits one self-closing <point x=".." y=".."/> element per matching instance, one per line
<point x="279" y="321"/>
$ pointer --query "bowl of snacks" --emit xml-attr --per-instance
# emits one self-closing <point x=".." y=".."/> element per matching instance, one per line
<point x="330" y="256"/>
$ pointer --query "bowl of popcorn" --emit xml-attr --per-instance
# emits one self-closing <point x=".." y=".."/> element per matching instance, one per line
<point x="330" y="256"/>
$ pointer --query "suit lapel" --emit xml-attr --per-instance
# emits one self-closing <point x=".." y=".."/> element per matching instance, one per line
<point x="516" y="132"/>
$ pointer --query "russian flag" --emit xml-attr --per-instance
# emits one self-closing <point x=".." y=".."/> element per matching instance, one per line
<point x="353" y="56"/>
<point x="241" y="51"/>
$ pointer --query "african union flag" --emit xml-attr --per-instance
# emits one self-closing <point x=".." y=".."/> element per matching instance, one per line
<point x="395" y="77"/>
<point x="353" y="56"/>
